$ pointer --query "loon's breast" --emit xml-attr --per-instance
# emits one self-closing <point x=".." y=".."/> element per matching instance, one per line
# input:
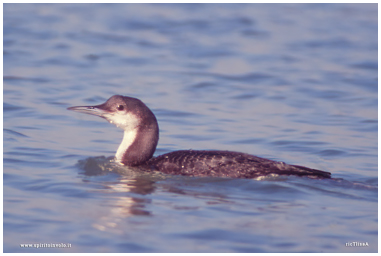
<point x="226" y="164"/>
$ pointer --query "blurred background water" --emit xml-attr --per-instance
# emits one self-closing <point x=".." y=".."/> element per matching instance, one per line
<point x="290" y="82"/>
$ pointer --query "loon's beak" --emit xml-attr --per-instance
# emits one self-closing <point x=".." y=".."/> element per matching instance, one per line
<point x="91" y="110"/>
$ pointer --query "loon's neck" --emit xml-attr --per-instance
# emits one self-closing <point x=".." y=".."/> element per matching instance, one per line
<point x="138" y="145"/>
<point x="128" y="139"/>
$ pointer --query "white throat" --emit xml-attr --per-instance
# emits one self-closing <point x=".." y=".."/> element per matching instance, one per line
<point x="128" y="139"/>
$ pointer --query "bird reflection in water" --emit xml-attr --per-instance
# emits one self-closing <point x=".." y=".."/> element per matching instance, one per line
<point x="125" y="197"/>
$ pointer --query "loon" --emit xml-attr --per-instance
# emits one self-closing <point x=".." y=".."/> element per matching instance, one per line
<point x="141" y="135"/>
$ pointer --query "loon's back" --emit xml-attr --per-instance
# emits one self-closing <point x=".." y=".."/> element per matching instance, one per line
<point x="227" y="164"/>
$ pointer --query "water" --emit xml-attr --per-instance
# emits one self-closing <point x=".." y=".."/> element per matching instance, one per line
<point x="289" y="82"/>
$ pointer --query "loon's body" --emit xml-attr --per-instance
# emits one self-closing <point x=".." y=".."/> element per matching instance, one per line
<point x="141" y="135"/>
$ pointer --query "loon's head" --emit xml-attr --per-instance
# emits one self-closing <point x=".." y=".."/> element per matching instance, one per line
<point x="141" y="131"/>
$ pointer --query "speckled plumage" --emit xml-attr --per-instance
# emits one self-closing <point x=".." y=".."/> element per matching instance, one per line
<point x="226" y="164"/>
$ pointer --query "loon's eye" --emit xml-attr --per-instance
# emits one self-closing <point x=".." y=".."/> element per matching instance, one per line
<point x="120" y="107"/>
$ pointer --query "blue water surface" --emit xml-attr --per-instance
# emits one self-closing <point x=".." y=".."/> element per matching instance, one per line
<point x="291" y="82"/>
